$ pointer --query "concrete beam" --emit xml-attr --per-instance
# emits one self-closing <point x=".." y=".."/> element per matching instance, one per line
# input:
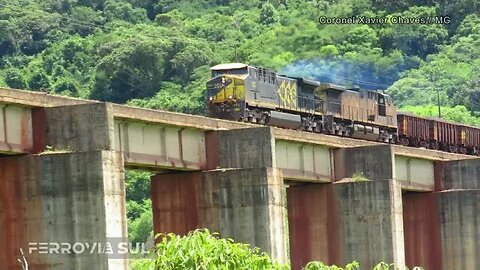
<point x="242" y="148"/>
<point x="127" y="113"/>
<point x="415" y="174"/>
<point x="458" y="174"/>
<point x="37" y="99"/>
<point x="345" y="142"/>
<point x="16" y="135"/>
<point x="244" y="204"/>
<point x="304" y="162"/>
<point x="83" y="127"/>
<point x="61" y="198"/>
<point x="160" y="146"/>
<point x="371" y="162"/>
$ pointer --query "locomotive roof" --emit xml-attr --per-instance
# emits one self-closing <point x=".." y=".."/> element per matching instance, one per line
<point x="228" y="66"/>
<point x="307" y="81"/>
<point x="332" y="86"/>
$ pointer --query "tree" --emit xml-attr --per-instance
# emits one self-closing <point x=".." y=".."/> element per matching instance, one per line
<point x="140" y="230"/>
<point x="361" y="36"/>
<point x="67" y="87"/>
<point x="132" y="69"/>
<point x="329" y="51"/>
<point x="469" y="26"/>
<point x="116" y="10"/>
<point x="137" y="185"/>
<point x="202" y="250"/>
<point x="85" y="20"/>
<point x="15" y="79"/>
<point x="268" y="14"/>
<point x="39" y="81"/>
<point x="414" y="38"/>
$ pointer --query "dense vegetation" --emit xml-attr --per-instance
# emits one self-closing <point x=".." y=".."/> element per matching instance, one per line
<point x="139" y="206"/>
<point x="202" y="250"/>
<point x="156" y="53"/>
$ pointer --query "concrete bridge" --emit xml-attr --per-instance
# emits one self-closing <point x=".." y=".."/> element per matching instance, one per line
<point x="298" y="196"/>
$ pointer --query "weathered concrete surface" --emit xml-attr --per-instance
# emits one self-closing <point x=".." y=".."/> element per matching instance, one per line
<point x="89" y="127"/>
<point x="458" y="174"/>
<point x="145" y="144"/>
<point x="313" y="224"/>
<point x="63" y="197"/>
<point x="123" y="112"/>
<point x="343" y="142"/>
<point x="15" y="129"/>
<point x="371" y="226"/>
<point x="244" y="204"/>
<point x="80" y="127"/>
<point x="37" y="99"/>
<point x="248" y="206"/>
<point x="304" y="162"/>
<point x="246" y="148"/>
<point x="422" y="230"/>
<point x="460" y="229"/>
<point x="371" y="162"/>
<point x="414" y="173"/>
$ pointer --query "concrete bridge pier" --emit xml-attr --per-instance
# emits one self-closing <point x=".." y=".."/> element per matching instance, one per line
<point x="244" y="204"/>
<point x="241" y="196"/>
<point x="51" y="200"/>
<point x="358" y="217"/>
<point x="370" y="206"/>
<point x="350" y="221"/>
<point x="71" y="191"/>
<point x="458" y="209"/>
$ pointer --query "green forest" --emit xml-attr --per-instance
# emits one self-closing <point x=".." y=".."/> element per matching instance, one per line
<point x="157" y="54"/>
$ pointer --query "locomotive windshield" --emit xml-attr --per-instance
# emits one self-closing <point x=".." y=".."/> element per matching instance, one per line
<point x="216" y="73"/>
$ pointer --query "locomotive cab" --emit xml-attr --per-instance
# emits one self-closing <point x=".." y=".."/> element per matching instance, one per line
<point x="226" y="91"/>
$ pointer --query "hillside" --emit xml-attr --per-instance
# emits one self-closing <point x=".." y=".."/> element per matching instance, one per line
<point x="156" y="53"/>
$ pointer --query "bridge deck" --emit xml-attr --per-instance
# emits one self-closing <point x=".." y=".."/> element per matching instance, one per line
<point x="28" y="99"/>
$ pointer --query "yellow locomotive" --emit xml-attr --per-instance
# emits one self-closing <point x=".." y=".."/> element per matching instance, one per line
<point x="245" y="93"/>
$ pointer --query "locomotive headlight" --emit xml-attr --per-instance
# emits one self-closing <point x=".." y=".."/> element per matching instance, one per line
<point x="223" y="79"/>
<point x="230" y="97"/>
<point x="210" y="98"/>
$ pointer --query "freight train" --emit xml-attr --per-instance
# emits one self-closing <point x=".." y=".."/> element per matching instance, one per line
<point x="241" y="92"/>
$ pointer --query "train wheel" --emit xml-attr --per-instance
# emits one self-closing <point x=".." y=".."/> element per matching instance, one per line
<point x="423" y="144"/>
<point x="263" y="119"/>
<point x="452" y="149"/>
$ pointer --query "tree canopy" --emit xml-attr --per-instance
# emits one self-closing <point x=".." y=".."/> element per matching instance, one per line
<point x="156" y="53"/>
